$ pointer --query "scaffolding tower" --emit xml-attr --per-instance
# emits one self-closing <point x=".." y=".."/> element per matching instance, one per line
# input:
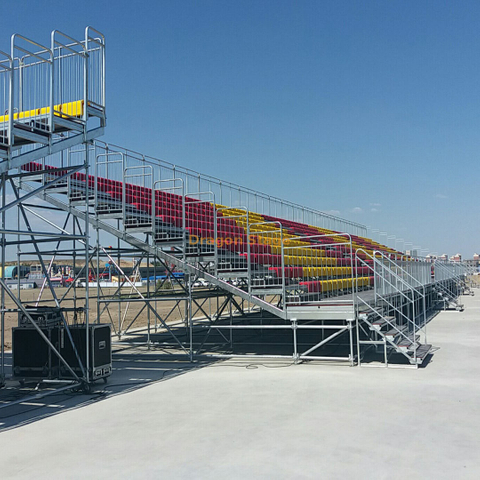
<point x="52" y="99"/>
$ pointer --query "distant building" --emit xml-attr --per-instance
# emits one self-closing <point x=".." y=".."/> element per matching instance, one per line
<point x="11" y="271"/>
<point x="475" y="262"/>
<point x="443" y="257"/>
<point x="456" y="258"/>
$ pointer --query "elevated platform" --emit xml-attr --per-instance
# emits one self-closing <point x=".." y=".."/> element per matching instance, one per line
<point x="53" y="105"/>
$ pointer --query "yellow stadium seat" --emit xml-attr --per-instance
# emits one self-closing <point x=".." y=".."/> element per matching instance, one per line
<point x="64" y="110"/>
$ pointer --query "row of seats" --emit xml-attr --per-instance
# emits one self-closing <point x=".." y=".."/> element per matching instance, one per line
<point x="115" y="188"/>
<point x="65" y="110"/>
<point x="309" y="230"/>
<point x="312" y="272"/>
<point x="324" y="286"/>
<point x="294" y="229"/>
<point x="303" y="257"/>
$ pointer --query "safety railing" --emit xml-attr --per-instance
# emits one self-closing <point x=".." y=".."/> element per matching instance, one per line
<point x="266" y="259"/>
<point x="448" y="270"/>
<point x="168" y="203"/>
<point x="201" y="225"/>
<point x="236" y="196"/>
<point x="398" y="295"/>
<point x="416" y="271"/>
<point x="232" y="243"/>
<point x="317" y="269"/>
<point x="414" y="275"/>
<point x="32" y="95"/>
<point x="69" y="76"/>
<point x="6" y="85"/>
<point x="113" y="201"/>
<point x="95" y="46"/>
<point x="140" y="180"/>
<point x="449" y="279"/>
<point x="225" y="193"/>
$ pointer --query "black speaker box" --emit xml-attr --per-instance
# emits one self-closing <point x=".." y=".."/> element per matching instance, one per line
<point x="32" y="357"/>
<point x="43" y="316"/>
<point x="100" y="361"/>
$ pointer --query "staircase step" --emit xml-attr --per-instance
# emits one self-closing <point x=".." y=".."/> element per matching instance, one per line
<point x="383" y="320"/>
<point x="365" y="314"/>
<point x="393" y="332"/>
<point x="406" y="346"/>
<point x="378" y="324"/>
<point x="110" y="214"/>
<point x="422" y="352"/>
<point x="408" y="341"/>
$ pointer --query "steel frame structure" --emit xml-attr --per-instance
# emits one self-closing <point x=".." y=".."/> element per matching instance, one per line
<point x="210" y="262"/>
<point x="53" y="98"/>
<point x="281" y="280"/>
<point x="240" y="285"/>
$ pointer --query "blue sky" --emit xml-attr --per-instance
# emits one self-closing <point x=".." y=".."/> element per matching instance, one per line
<point x="365" y="109"/>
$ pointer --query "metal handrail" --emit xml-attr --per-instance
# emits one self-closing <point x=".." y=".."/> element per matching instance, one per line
<point x="187" y="171"/>
<point x="405" y="284"/>
<point x="282" y="253"/>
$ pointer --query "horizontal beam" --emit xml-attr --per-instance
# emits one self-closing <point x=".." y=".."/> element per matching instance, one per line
<point x="56" y="147"/>
<point x="277" y="327"/>
<point x="43" y="234"/>
<point x="32" y="193"/>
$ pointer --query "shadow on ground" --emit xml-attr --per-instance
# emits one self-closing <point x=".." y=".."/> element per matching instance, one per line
<point x="136" y="367"/>
<point x="23" y="404"/>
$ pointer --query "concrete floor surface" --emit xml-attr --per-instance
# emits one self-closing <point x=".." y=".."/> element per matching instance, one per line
<point x="274" y="420"/>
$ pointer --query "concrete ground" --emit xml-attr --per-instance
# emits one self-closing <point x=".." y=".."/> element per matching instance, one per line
<point x="238" y="420"/>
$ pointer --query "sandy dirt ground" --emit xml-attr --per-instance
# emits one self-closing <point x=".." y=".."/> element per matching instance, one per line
<point x="475" y="279"/>
<point x="126" y="312"/>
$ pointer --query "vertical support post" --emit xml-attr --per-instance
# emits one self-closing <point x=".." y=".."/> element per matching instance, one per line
<point x="350" y="336"/>
<point x="2" y="276"/>
<point x="248" y="255"/>
<point x="87" y="250"/>
<point x="282" y="252"/>
<point x="295" y="345"/>
<point x="190" y="316"/>
<point x="385" y="352"/>
<point x="148" y="286"/>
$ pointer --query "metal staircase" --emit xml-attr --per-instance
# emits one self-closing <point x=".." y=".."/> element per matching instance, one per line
<point x="396" y="318"/>
<point x="449" y="284"/>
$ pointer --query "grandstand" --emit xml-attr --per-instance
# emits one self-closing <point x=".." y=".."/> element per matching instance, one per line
<point x="284" y="280"/>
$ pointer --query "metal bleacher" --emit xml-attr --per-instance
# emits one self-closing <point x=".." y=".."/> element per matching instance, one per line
<point x="312" y="285"/>
<point x="312" y="277"/>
